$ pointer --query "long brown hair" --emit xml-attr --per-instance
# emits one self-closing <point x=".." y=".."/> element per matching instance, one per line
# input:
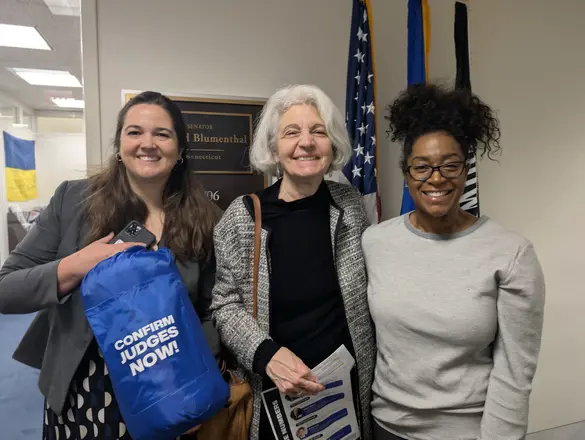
<point x="189" y="215"/>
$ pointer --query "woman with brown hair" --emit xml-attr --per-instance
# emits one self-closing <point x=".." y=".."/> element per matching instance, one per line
<point x="147" y="180"/>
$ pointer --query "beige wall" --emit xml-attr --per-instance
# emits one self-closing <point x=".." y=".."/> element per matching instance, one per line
<point x="531" y="68"/>
<point x="59" y="156"/>
<point x="229" y="47"/>
<point x="52" y="124"/>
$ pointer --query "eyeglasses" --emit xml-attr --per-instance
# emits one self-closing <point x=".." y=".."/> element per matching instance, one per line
<point x="450" y="170"/>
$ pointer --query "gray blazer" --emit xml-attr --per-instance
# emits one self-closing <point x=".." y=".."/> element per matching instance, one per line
<point x="58" y="337"/>
<point x="233" y="300"/>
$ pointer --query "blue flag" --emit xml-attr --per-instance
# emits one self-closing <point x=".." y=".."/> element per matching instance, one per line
<point x="418" y="47"/>
<point x="360" y="108"/>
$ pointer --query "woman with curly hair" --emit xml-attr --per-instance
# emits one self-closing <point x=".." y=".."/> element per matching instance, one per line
<point x="457" y="301"/>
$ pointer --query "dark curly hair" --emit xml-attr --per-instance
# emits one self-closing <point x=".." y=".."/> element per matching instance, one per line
<point x="427" y="108"/>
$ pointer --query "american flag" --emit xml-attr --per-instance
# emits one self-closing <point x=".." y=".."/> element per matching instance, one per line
<point x="360" y="108"/>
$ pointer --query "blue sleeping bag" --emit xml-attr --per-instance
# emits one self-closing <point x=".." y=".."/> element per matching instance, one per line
<point x="165" y="378"/>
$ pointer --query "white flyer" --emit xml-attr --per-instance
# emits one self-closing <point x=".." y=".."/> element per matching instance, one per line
<point x="329" y="415"/>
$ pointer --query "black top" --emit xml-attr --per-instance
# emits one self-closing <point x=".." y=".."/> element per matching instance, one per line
<point x="307" y="314"/>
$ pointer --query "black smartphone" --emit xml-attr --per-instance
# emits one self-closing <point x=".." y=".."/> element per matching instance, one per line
<point x="134" y="232"/>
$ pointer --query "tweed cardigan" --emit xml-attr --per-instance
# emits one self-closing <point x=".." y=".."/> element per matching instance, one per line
<point x="232" y="303"/>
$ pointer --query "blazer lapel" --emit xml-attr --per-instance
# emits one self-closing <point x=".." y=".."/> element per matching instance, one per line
<point x="335" y="217"/>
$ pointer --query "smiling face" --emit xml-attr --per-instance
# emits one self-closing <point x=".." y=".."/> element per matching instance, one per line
<point x="303" y="148"/>
<point x="148" y="143"/>
<point x="436" y="196"/>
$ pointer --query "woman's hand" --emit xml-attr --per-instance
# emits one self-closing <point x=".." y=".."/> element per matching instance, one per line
<point x="290" y="374"/>
<point x="193" y="431"/>
<point x="73" y="268"/>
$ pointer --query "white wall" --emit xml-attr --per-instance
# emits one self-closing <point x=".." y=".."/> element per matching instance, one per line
<point x="59" y="157"/>
<point x="52" y="124"/>
<point x="527" y="61"/>
<point x="7" y="99"/>
<point x="225" y="48"/>
<point x="228" y="47"/>
<point x="218" y="47"/>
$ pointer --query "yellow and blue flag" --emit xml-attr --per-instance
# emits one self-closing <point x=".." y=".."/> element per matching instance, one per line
<point x="419" y="37"/>
<point x="21" y="174"/>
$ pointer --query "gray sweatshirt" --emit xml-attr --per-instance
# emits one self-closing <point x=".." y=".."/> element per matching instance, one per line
<point x="458" y="322"/>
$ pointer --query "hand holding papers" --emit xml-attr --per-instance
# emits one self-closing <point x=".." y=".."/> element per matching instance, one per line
<point x="328" y="415"/>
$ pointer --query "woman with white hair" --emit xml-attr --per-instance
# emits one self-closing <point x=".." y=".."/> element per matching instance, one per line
<point x="311" y="296"/>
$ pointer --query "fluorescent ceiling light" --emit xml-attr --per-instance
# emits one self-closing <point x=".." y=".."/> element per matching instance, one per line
<point x="39" y="77"/>
<point x="68" y="102"/>
<point x="64" y="7"/>
<point x="23" y="37"/>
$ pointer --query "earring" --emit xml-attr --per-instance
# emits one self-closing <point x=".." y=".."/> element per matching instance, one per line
<point x="180" y="161"/>
<point x="118" y="157"/>
<point x="278" y="171"/>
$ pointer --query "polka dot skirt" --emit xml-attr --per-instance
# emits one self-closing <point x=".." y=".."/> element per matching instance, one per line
<point x="91" y="411"/>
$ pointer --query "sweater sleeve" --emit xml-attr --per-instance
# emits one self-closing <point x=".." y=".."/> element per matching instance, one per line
<point x="520" y="308"/>
<point x="236" y="326"/>
<point x="266" y="350"/>
<point x="28" y="279"/>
